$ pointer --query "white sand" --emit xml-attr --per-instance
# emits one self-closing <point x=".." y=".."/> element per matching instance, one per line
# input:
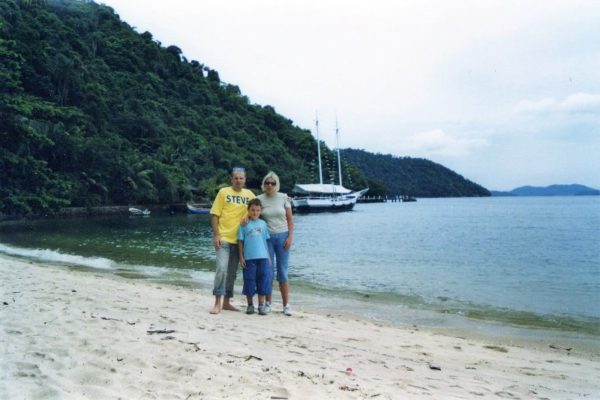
<point x="69" y="335"/>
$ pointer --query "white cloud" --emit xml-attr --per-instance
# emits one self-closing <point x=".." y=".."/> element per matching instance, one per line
<point x="581" y="102"/>
<point x="577" y="103"/>
<point x="439" y="143"/>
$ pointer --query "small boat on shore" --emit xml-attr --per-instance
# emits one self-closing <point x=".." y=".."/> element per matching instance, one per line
<point x="139" y="212"/>
<point x="197" y="208"/>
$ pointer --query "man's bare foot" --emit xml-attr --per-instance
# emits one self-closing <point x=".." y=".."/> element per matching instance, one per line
<point x="230" y="307"/>
<point x="216" y="309"/>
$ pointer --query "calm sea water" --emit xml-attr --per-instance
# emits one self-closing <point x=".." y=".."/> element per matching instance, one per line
<point x="529" y="262"/>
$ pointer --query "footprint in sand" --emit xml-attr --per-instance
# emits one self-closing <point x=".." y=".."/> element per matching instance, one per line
<point x="280" y="393"/>
<point x="27" y="370"/>
<point x="506" y="395"/>
<point x="477" y="394"/>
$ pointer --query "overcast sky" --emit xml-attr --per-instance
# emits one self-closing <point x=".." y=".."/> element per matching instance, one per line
<point x="506" y="93"/>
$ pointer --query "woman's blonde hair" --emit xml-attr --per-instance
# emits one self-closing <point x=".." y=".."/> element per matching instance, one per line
<point x="272" y="175"/>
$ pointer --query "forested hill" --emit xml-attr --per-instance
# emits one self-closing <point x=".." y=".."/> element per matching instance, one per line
<point x="412" y="176"/>
<point x="94" y="113"/>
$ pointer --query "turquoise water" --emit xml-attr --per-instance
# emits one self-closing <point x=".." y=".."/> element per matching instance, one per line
<point x="529" y="262"/>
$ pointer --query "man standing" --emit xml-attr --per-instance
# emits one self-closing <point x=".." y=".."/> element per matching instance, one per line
<point x="229" y="207"/>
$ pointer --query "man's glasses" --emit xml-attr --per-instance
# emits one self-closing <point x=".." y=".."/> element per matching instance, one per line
<point x="270" y="183"/>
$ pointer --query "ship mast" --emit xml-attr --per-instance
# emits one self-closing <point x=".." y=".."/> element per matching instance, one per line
<point x="337" y="138"/>
<point x="318" y="148"/>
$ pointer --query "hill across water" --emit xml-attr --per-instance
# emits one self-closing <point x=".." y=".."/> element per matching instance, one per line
<point x="552" y="190"/>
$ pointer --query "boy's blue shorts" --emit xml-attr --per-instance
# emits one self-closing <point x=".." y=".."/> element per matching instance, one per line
<point x="257" y="277"/>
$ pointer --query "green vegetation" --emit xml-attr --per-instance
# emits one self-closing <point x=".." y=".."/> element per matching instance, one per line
<point x="93" y="113"/>
<point x="412" y="176"/>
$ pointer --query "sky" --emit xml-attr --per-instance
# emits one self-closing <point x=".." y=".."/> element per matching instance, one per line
<point x="505" y="93"/>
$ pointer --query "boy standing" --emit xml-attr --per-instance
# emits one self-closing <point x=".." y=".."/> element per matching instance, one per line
<point x="254" y="258"/>
<point x="228" y="209"/>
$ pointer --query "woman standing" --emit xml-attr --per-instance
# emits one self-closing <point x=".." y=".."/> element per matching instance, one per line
<point x="277" y="212"/>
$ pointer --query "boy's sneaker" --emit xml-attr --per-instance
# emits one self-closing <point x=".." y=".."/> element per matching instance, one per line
<point x="287" y="310"/>
<point x="262" y="309"/>
<point x="268" y="308"/>
<point x="250" y="309"/>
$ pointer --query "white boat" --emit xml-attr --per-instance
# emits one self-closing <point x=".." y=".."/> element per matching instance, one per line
<point x="315" y="197"/>
<point x="322" y="197"/>
<point x="137" y="211"/>
<point x="197" y="209"/>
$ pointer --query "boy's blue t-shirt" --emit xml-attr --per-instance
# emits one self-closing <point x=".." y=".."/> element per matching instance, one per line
<point x="255" y="235"/>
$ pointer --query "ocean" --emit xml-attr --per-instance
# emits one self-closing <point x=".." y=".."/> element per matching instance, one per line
<point x="527" y="266"/>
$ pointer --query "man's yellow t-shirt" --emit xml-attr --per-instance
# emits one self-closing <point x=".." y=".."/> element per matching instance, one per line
<point x="231" y="206"/>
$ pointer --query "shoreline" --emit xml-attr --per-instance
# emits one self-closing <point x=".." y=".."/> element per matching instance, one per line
<point x="444" y="322"/>
<point x="471" y="293"/>
<point x="72" y="334"/>
<point x="343" y="302"/>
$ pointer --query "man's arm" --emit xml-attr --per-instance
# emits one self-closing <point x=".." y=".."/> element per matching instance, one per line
<point x="214" y="223"/>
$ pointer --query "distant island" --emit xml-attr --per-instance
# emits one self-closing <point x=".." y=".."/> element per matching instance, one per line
<point x="552" y="190"/>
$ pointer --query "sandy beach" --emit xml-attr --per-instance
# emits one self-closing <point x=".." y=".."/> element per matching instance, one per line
<point x="67" y="334"/>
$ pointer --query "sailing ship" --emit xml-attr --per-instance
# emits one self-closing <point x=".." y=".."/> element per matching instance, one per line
<point x="315" y="197"/>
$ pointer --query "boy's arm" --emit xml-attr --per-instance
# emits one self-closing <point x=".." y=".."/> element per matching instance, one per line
<point x="241" y="253"/>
